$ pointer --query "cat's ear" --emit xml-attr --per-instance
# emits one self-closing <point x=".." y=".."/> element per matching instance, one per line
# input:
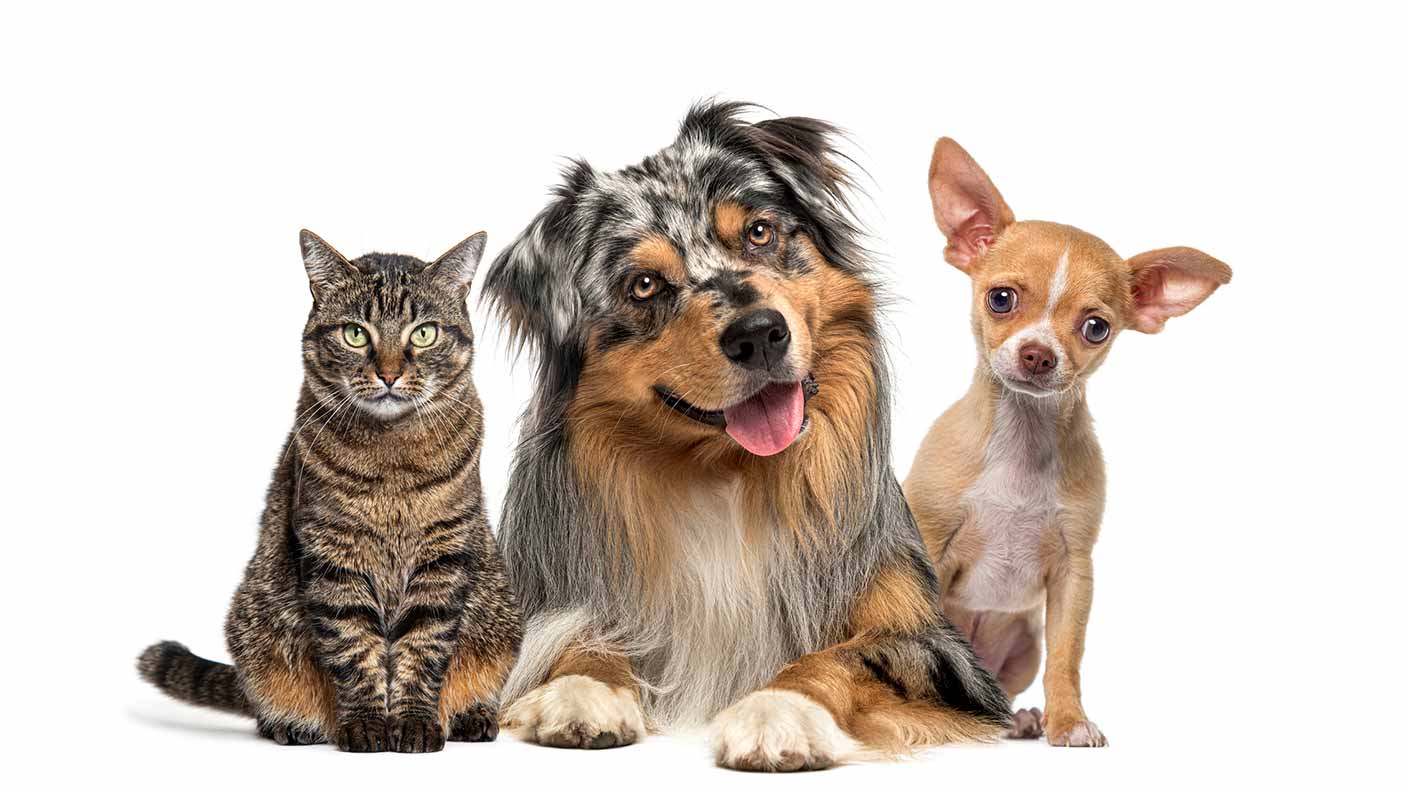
<point x="455" y="269"/>
<point x="533" y="282"/>
<point x="326" y="267"/>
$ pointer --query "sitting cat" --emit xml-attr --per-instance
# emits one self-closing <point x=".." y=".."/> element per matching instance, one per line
<point x="375" y="612"/>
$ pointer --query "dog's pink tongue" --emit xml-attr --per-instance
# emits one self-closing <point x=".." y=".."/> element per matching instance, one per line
<point x="768" y="422"/>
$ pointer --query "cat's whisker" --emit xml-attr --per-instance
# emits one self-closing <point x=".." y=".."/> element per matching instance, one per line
<point x="473" y="408"/>
<point x="342" y="405"/>
<point x="311" y="414"/>
<point x="428" y="425"/>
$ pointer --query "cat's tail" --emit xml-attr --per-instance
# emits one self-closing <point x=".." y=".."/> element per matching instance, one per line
<point x="173" y="669"/>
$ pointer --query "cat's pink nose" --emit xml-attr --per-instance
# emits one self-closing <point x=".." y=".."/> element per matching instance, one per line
<point x="388" y="378"/>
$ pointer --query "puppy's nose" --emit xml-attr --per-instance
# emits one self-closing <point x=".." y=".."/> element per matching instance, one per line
<point x="388" y="378"/>
<point x="757" y="340"/>
<point x="1036" y="359"/>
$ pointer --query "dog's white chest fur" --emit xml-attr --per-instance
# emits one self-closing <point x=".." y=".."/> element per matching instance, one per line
<point x="721" y="636"/>
<point x="1013" y="504"/>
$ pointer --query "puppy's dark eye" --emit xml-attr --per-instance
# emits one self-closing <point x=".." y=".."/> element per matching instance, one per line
<point x="1095" y="330"/>
<point x="760" y="233"/>
<point x="1001" y="300"/>
<point x="645" y="285"/>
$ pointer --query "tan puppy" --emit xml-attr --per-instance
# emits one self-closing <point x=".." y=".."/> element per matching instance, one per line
<point x="1008" y="486"/>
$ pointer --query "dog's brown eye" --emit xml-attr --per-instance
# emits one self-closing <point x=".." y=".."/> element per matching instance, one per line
<point x="1095" y="330"/>
<point x="760" y="233"/>
<point x="644" y="286"/>
<point x="1001" y="300"/>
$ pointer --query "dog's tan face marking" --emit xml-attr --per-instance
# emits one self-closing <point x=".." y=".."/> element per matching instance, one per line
<point x="672" y="339"/>
<point x="1059" y="279"/>
<point x="655" y="253"/>
<point x="729" y="217"/>
<point x="616" y="413"/>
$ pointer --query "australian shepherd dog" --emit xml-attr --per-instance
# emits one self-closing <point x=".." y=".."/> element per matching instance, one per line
<point x="702" y="522"/>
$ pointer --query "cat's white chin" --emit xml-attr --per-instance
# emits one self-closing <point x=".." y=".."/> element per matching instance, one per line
<point x="384" y="408"/>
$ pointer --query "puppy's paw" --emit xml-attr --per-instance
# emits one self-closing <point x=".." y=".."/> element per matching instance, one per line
<point x="577" y="711"/>
<point x="779" y="731"/>
<point x="1079" y="734"/>
<point x="1026" y="726"/>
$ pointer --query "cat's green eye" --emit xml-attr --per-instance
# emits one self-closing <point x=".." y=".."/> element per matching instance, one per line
<point x="424" y="335"/>
<point x="355" y="336"/>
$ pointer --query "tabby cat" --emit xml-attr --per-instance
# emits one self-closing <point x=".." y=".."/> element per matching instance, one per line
<point x="375" y="612"/>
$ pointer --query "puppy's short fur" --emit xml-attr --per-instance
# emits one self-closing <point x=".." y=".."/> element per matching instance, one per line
<point x="702" y="521"/>
<point x="1008" y="486"/>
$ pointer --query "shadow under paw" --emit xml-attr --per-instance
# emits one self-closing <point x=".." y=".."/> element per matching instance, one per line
<point x="478" y="724"/>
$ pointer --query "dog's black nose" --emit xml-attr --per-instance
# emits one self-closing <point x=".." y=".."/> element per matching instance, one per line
<point x="757" y="340"/>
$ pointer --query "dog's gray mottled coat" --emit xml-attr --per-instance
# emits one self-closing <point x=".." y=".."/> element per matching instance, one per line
<point x="736" y="610"/>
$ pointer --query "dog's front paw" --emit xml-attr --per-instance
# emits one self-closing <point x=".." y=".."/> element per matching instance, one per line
<point x="779" y="731"/>
<point x="1082" y="733"/>
<point x="577" y="711"/>
<point x="1027" y="725"/>
<point x="362" y="733"/>
<point x="414" y="733"/>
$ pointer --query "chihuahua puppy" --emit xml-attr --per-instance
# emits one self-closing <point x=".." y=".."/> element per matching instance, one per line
<point x="1008" y="485"/>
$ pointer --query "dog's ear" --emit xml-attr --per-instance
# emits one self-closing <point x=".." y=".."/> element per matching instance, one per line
<point x="455" y="269"/>
<point x="969" y="209"/>
<point x="800" y="153"/>
<point x="326" y="267"/>
<point x="1170" y="282"/>
<point x="803" y="154"/>
<point x="532" y="283"/>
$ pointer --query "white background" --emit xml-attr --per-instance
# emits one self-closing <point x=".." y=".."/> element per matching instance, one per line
<point x="159" y="161"/>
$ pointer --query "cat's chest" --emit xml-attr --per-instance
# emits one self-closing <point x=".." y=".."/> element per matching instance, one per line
<point x="386" y="533"/>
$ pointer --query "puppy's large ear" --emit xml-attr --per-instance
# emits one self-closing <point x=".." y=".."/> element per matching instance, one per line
<point x="532" y="283"/>
<point x="326" y="267"/>
<point x="1170" y="282"/>
<point x="969" y="210"/>
<point x="455" y="269"/>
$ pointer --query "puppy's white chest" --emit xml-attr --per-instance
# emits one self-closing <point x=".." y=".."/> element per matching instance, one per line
<point x="1013" y="507"/>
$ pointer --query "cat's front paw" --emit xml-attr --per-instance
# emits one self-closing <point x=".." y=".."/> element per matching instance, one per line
<point x="577" y="711"/>
<point x="414" y="733"/>
<point x="478" y="724"/>
<point x="779" y="731"/>
<point x="362" y="733"/>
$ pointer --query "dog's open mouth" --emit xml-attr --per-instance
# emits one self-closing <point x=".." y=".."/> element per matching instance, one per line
<point x="765" y="423"/>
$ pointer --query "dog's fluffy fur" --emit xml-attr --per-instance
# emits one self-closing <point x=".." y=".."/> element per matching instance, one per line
<point x="650" y="551"/>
